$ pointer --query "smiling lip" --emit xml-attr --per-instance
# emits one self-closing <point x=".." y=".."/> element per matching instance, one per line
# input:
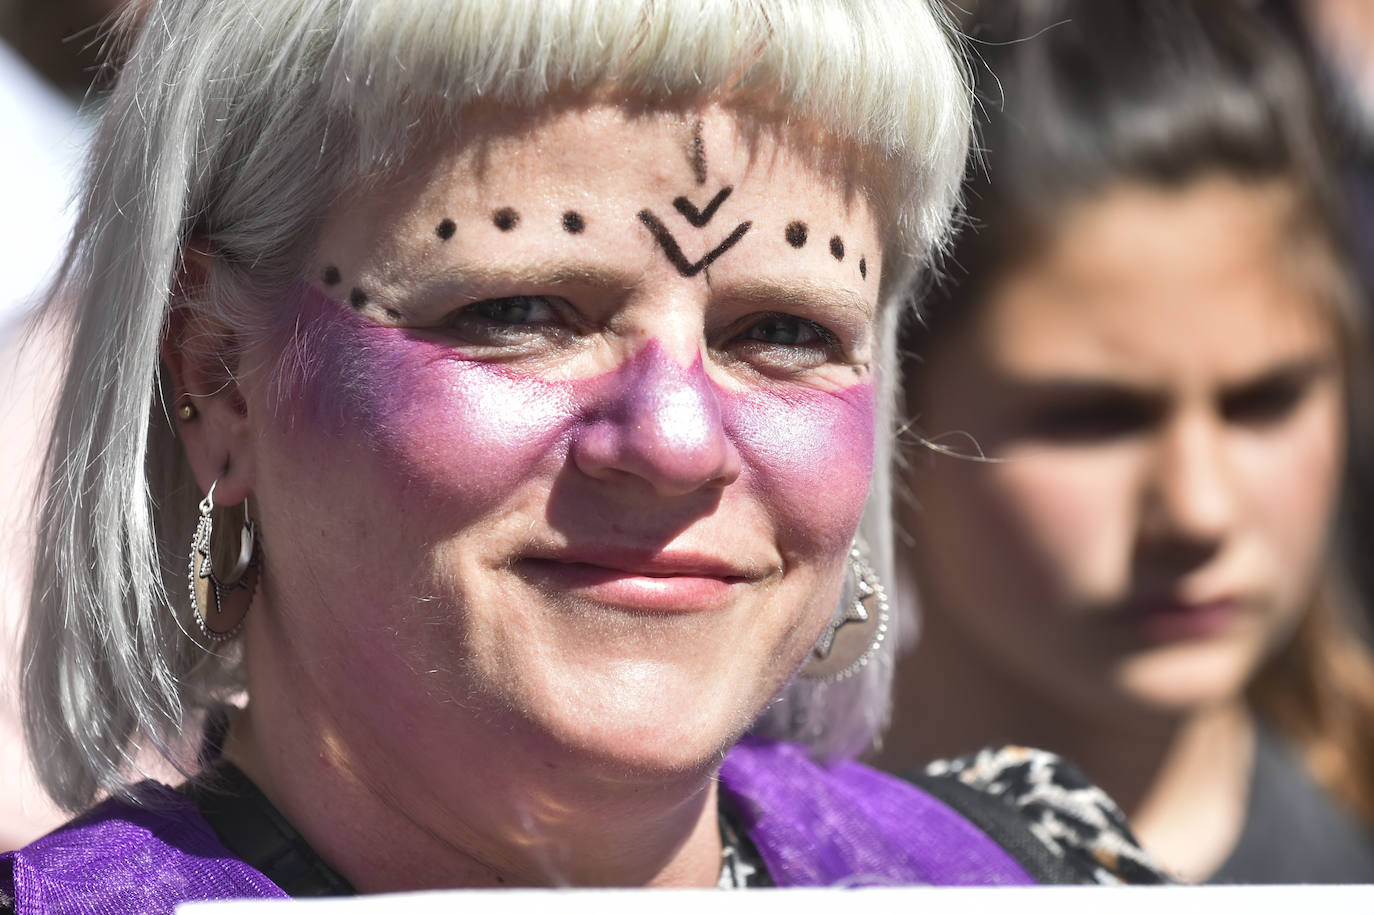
<point x="1177" y="621"/>
<point x="650" y="582"/>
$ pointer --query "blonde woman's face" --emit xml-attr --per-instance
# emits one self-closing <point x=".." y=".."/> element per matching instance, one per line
<point x="1161" y="403"/>
<point x="578" y="428"/>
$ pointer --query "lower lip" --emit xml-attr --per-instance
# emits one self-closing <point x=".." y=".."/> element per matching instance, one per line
<point x="1184" y="622"/>
<point x="664" y="594"/>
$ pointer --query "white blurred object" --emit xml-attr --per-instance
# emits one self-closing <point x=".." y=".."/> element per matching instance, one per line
<point x="39" y="168"/>
<point x="40" y="161"/>
<point x="1049" y="900"/>
<point x="29" y="372"/>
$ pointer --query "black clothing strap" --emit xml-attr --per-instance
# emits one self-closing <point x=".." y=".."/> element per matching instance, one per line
<point x="254" y="830"/>
<point x="1004" y="824"/>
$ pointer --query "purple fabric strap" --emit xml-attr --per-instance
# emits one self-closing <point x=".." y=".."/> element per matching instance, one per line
<point x="118" y="859"/>
<point x="814" y="826"/>
<point x="852" y="826"/>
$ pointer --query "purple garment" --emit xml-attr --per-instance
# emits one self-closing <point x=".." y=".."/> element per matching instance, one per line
<point x="853" y="826"/>
<point x="813" y="826"/>
<point x="119" y="859"/>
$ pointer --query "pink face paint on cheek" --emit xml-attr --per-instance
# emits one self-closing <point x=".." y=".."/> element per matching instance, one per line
<point x="449" y="426"/>
<point x="470" y="432"/>
<point x="810" y="453"/>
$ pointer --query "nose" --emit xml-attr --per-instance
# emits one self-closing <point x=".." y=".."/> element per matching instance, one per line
<point x="661" y="422"/>
<point x="1192" y="495"/>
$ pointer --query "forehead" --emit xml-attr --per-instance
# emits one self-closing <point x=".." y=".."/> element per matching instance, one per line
<point x="1145" y="280"/>
<point x="684" y="192"/>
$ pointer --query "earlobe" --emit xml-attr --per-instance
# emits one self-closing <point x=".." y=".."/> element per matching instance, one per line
<point x="211" y="416"/>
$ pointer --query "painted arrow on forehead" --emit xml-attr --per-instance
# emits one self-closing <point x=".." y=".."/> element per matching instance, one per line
<point x="697" y="217"/>
<point x="670" y="246"/>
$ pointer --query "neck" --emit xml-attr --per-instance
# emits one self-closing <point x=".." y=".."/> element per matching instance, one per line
<point x="502" y="815"/>
<point x="1181" y="777"/>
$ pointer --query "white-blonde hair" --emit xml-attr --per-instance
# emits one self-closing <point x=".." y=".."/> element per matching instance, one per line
<point x="241" y="122"/>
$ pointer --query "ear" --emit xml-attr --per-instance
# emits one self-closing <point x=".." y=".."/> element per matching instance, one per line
<point x="200" y="356"/>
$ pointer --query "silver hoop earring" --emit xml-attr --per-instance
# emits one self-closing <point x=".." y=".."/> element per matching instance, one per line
<point x="857" y="632"/>
<point x="220" y="604"/>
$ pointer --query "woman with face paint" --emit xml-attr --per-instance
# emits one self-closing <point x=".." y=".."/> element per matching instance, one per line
<point x="1137" y="404"/>
<point x="463" y="473"/>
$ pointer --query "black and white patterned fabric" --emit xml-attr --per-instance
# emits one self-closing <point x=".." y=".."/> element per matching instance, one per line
<point x="1080" y="831"/>
<point x="741" y="865"/>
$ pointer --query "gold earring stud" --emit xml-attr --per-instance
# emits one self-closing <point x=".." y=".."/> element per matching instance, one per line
<point x="186" y="411"/>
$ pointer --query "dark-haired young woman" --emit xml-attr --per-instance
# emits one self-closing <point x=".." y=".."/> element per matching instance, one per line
<point x="1144" y="395"/>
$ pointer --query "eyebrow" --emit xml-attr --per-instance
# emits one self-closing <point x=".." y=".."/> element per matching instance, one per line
<point x="1299" y="371"/>
<point x="550" y="273"/>
<point x="1296" y="372"/>
<point x="801" y="294"/>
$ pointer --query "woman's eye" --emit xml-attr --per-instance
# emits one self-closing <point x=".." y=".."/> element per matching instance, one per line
<point x="508" y="321"/>
<point x="1264" y="403"/>
<point x="519" y="309"/>
<point x="787" y="330"/>
<point x="1093" y="421"/>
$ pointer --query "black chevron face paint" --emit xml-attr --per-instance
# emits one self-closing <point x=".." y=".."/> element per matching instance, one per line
<point x="692" y="227"/>
<point x="670" y="247"/>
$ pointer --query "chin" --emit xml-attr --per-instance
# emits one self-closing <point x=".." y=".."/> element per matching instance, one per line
<point x="1185" y="677"/>
<point x="641" y="723"/>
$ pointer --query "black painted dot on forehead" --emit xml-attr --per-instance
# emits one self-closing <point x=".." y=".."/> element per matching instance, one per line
<point x="357" y="298"/>
<point x="331" y="275"/>
<point x="795" y="234"/>
<point x="837" y="247"/>
<point x="505" y="219"/>
<point x="445" y="229"/>
<point x="573" y="222"/>
<point x="863" y="268"/>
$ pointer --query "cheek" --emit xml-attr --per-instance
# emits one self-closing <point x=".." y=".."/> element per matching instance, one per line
<point x="437" y="427"/>
<point x="1046" y="531"/>
<point x="1292" y="478"/>
<point x="1078" y="514"/>
<point x="809" y="458"/>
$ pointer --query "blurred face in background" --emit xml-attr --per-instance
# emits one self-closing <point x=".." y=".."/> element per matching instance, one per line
<point x="1159" y="397"/>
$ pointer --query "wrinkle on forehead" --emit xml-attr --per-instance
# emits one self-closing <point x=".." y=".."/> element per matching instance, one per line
<point x="488" y="131"/>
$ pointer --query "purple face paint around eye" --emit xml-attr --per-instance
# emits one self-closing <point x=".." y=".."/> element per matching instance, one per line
<point x="458" y="435"/>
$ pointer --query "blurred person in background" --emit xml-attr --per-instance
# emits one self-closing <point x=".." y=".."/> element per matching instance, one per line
<point x="49" y="63"/>
<point x="1137" y="403"/>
